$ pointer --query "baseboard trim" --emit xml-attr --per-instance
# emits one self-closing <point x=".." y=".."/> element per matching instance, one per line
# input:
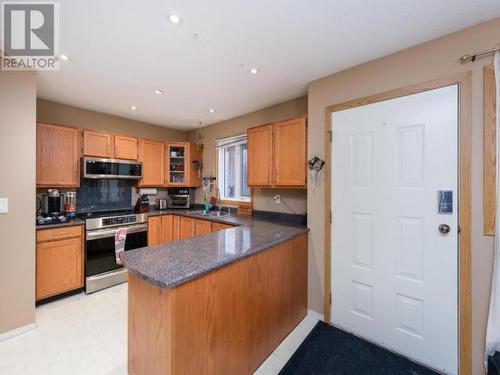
<point x="314" y="314"/>
<point x="17" y="331"/>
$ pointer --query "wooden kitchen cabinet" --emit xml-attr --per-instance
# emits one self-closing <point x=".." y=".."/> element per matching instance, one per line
<point x="126" y="147"/>
<point x="177" y="163"/>
<point x="186" y="227"/>
<point x="202" y="227"/>
<point x="181" y="158"/>
<point x="154" y="231"/>
<point x="277" y="154"/>
<point x="59" y="261"/>
<point x="160" y="229"/>
<point x="98" y="144"/>
<point x="220" y="226"/>
<point x="167" y="228"/>
<point x="152" y="156"/>
<point x="57" y="156"/>
<point x="260" y="155"/>
<point x="109" y="145"/>
<point x="195" y="166"/>
<point x="176" y="230"/>
<point x="290" y="139"/>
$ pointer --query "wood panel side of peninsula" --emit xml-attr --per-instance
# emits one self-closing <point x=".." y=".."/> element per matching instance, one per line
<point x="227" y="321"/>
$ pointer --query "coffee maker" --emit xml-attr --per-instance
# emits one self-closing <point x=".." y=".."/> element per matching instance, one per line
<point x="52" y="202"/>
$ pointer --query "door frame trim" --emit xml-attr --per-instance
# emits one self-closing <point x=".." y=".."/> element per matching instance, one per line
<point x="464" y="82"/>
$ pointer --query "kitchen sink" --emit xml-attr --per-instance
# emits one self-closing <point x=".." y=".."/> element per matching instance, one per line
<point x="208" y="213"/>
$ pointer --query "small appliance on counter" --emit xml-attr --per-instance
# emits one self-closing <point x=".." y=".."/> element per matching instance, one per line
<point x="52" y="202"/>
<point x="161" y="204"/>
<point x="180" y="198"/>
<point x="70" y="203"/>
<point x="142" y="204"/>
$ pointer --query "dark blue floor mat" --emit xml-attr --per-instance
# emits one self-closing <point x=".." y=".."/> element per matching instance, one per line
<point x="329" y="350"/>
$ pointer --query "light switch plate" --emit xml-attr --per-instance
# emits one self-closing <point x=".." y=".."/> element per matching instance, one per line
<point x="4" y="205"/>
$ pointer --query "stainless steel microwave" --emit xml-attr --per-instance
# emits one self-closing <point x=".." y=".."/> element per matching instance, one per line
<point x="111" y="168"/>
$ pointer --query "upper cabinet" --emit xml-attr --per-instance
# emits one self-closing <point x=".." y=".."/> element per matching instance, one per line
<point x="126" y="147"/>
<point x="277" y="154"/>
<point x="177" y="154"/>
<point x="98" y="144"/>
<point x="195" y="165"/>
<point x="260" y="155"/>
<point x="109" y="145"/>
<point x="290" y="138"/>
<point x="57" y="156"/>
<point x="183" y="164"/>
<point x="152" y="156"/>
<point x="163" y="164"/>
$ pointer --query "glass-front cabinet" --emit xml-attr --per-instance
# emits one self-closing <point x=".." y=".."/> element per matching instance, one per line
<point x="177" y="158"/>
<point x="184" y="162"/>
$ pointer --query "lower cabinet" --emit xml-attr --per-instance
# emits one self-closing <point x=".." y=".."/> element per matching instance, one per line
<point x="202" y="227"/>
<point x="176" y="227"/>
<point x="167" y="228"/>
<point x="162" y="229"/>
<point x="186" y="227"/>
<point x="154" y="230"/>
<point x="219" y="226"/>
<point x="59" y="261"/>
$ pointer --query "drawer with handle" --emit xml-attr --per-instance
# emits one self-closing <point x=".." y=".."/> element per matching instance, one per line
<point x="52" y="234"/>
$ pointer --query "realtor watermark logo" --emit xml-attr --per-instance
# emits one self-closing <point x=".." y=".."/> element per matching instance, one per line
<point x="30" y="36"/>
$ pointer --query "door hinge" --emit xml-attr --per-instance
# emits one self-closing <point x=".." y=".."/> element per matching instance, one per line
<point x="330" y="216"/>
<point x="330" y="135"/>
<point x="330" y="298"/>
<point x="458" y="229"/>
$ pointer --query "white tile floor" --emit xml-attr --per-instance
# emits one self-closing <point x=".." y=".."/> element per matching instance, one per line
<point x="88" y="335"/>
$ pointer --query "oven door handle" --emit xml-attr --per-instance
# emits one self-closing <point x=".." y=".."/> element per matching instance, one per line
<point x="105" y="233"/>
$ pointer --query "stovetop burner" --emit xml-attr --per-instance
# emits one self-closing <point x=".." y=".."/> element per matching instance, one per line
<point x="51" y="219"/>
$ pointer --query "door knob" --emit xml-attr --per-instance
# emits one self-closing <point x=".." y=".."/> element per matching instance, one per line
<point x="444" y="228"/>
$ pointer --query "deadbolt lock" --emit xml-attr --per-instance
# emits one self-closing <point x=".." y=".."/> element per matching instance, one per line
<point x="444" y="228"/>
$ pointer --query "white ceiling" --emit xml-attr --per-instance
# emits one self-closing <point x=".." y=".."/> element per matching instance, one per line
<point x="122" y="50"/>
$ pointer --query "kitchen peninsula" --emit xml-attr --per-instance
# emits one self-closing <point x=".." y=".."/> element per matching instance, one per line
<point x="218" y="303"/>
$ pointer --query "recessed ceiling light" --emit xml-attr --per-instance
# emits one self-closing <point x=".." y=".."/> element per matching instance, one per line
<point x="158" y="91"/>
<point x="133" y="107"/>
<point x="174" y="19"/>
<point x="64" y="57"/>
<point x="254" y="71"/>
<point x="211" y="110"/>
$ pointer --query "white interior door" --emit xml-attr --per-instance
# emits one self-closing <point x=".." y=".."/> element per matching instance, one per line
<point x="394" y="274"/>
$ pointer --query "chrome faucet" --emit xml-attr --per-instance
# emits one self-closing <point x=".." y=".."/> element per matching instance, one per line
<point x="221" y="210"/>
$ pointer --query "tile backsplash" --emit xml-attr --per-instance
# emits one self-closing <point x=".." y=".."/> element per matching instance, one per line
<point x="94" y="195"/>
<point x="103" y="194"/>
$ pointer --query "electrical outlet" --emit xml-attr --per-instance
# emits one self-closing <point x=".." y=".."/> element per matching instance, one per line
<point x="4" y="205"/>
<point x="277" y="199"/>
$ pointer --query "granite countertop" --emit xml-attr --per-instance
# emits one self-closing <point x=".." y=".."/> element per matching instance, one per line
<point x="71" y="222"/>
<point x="176" y="262"/>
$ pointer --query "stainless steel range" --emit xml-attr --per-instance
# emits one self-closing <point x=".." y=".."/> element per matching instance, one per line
<point x="101" y="269"/>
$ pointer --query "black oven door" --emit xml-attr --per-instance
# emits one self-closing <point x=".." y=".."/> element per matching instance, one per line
<point x="100" y="251"/>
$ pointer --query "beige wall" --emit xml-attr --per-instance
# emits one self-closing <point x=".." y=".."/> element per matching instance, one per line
<point x="438" y="58"/>
<point x="295" y="198"/>
<point x="17" y="183"/>
<point x="68" y="115"/>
